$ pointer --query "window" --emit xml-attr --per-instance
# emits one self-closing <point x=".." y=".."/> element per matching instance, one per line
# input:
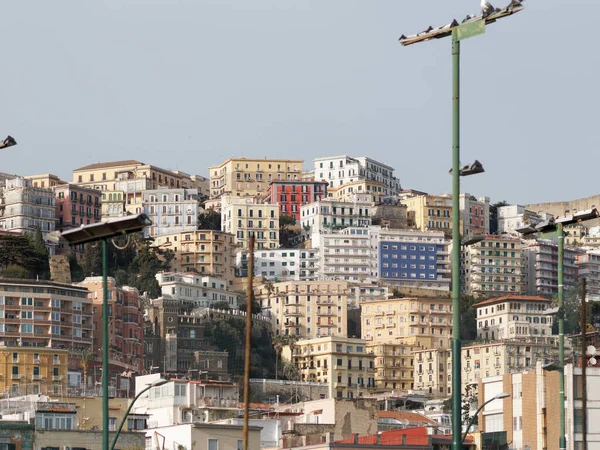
<point x="240" y="445"/>
<point x="213" y="444"/>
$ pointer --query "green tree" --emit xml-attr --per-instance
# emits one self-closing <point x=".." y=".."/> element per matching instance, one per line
<point x="468" y="317"/>
<point x="285" y="223"/>
<point x="15" y="271"/>
<point x="77" y="274"/>
<point x="209" y="220"/>
<point x="220" y="305"/>
<point x="19" y="250"/>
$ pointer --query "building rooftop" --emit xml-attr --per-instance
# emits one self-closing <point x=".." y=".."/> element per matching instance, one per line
<point x="126" y="162"/>
<point x="412" y="417"/>
<point x="522" y="298"/>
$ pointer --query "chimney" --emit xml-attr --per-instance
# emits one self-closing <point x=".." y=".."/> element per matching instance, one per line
<point x="356" y="438"/>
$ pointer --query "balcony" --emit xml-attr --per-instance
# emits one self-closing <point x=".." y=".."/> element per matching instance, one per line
<point x="291" y="312"/>
<point x="327" y="324"/>
<point x="37" y="377"/>
<point x="16" y="376"/>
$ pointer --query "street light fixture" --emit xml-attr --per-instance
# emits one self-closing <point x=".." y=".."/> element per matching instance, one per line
<point x="8" y="142"/>
<point x="103" y="231"/>
<point x="549" y="229"/>
<point x="495" y="397"/>
<point x="470" y="26"/>
<point x="157" y="383"/>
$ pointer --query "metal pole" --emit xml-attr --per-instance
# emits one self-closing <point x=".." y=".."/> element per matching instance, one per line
<point x="583" y="363"/>
<point x="104" y="345"/>
<point x="561" y="337"/>
<point x="456" y="372"/>
<point x="248" y="353"/>
<point x="118" y="430"/>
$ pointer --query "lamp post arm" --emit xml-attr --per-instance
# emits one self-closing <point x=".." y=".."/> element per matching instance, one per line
<point x="472" y="420"/>
<point x="118" y="431"/>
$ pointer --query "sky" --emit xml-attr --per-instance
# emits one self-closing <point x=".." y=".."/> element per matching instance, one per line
<point x="187" y="84"/>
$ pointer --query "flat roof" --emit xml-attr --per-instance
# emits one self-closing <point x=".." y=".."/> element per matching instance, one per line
<point x="506" y="298"/>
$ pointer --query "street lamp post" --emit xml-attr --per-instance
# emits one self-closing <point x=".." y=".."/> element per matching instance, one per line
<point x="146" y="389"/>
<point x="550" y="229"/>
<point x="495" y="397"/>
<point x="471" y="26"/>
<point x="103" y="231"/>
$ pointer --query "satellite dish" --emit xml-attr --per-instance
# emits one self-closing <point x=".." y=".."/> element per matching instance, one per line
<point x="592" y="361"/>
<point x="591" y="350"/>
<point x="406" y="423"/>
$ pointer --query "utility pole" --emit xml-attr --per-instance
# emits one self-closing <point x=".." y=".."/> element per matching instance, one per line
<point x="248" y="353"/>
<point x="582" y="289"/>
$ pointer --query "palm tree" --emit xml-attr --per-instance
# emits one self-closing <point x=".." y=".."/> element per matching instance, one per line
<point x="278" y="342"/>
<point x="86" y="357"/>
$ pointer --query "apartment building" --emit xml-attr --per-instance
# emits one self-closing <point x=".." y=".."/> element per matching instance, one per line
<point x="429" y="212"/>
<point x="170" y="210"/>
<point x="346" y="255"/>
<point x="588" y="266"/>
<point x="45" y="180"/>
<point x="208" y="252"/>
<point x="343" y="363"/>
<point x="411" y="258"/>
<point x="474" y="214"/>
<point x="25" y="209"/>
<point x="129" y="178"/>
<point x="200" y="290"/>
<point x="372" y="191"/>
<point x="513" y="217"/>
<point x="394" y="365"/>
<point x="339" y="170"/>
<point x="272" y="265"/>
<point x="291" y="195"/>
<point x="245" y="216"/>
<point x="75" y="206"/>
<point x="421" y="322"/>
<point x="33" y="370"/>
<point x="243" y="177"/>
<point x="307" y="309"/>
<point x="493" y="266"/>
<point x="126" y="322"/>
<point x="513" y="317"/>
<point x="540" y="265"/>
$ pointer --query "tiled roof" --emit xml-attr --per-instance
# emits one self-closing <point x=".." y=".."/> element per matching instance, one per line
<point x="127" y="162"/>
<point x="527" y="298"/>
<point x="412" y="417"/>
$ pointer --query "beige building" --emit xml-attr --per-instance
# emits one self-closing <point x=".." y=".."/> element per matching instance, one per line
<point x="493" y="266"/>
<point x="245" y="216"/>
<point x="242" y="177"/>
<point x="513" y="317"/>
<point x="371" y="190"/>
<point x="307" y="309"/>
<point x="209" y="252"/>
<point x="45" y="180"/>
<point x="394" y="365"/>
<point x="429" y="212"/>
<point x="343" y="363"/>
<point x="422" y="322"/>
<point x="33" y="370"/>
<point x="209" y="436"/>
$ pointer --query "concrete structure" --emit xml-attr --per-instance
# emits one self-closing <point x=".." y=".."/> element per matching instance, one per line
<point x="45" y="314"/>
<point x="474" y="214"/>
<point x="184" y="401"/>
<point x="370" y="190"/>
<point x="513" y="217"/>
<point x="275" y="264"/>
<point x="346" y="255"/>
<point x="513" y="317"/>
<point x="410" y="258"/>
<point x="389" y="214"/>
<point x="540" y="264"/>
<point x="394" y="365"/>
<point x="198" y="290"/>
<point x="291" y="195"/>
<point x="339" y="170"/>
<point x="588" y="266"/>
<point x="493" y="266"/>
<point x="530" y="415"/>
<point x="344" y="363"/>
<point x="125" y="329"/>
<point x="170" y="210"/>
<point x="25" y="209"/>
<point x="307" y="309"/>
<point x="429" y="212"/>
<point x="209" y="436"/>
<point x="243" y="177"/>
<point x="75" y="206"/>
<point x="208" y="252"/>
<point x="45" y="180"/>
<point x="244" y="216"/>
<point x="33" y="370"/>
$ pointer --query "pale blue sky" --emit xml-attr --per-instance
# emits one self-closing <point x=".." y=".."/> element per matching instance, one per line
<point x="187" y="84"/>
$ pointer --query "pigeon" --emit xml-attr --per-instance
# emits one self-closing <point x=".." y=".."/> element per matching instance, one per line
<point x="487" y="8"/>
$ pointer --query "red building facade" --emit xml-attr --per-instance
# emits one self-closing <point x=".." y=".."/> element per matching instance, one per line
<point x="292" y="194"/>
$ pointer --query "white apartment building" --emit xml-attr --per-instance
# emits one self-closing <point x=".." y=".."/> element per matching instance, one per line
<point x="170" y="210"/>
<point x="513" y="317"/>
<point x="540" y="265"/>
<point x="474" y="214"/>
<point x="25" y="208"/>
<point x="339" y="170"/>
<point x="493" y="266"/>
<point x="588" y="265"/>
<point x="346" y="255"/>
<point x="243" y="216"/>
<point x="201" y="290"/>
<point x="513" y="217"/>
<point x="281" y="264"/>
<point x="330" y="214"/>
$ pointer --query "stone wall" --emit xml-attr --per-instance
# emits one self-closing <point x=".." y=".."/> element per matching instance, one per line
<point x="288" y="391"/>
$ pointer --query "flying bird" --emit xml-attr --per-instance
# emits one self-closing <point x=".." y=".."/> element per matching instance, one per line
<point x="487" y="8"/>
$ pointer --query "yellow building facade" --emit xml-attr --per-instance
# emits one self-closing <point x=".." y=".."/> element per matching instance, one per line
<point x="45" y="180"/>
<point x="33" y="370"/>
<point x="306" y="309"/>
<point x="245" y="216"/>
<point x="242" y="177"/>
<point x="345" y="364"/>
<point x="429" y="212"/>
<point x="372" y="190"/>
<point x="208" y="252"/>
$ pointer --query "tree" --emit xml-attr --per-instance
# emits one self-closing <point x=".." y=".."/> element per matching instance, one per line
<point x="494" y="216"/>
<point x="278" y="344"/>
<point x="255" y="308"/>
<point x="468" y="317"/>
<point x="209" y="220"/>
<point x="220" y="305"/>
<point x="19" y="250"/>
<point x="285" y="222"/>
<point x="77" y="274"/>
<point x="15" y="271"/>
